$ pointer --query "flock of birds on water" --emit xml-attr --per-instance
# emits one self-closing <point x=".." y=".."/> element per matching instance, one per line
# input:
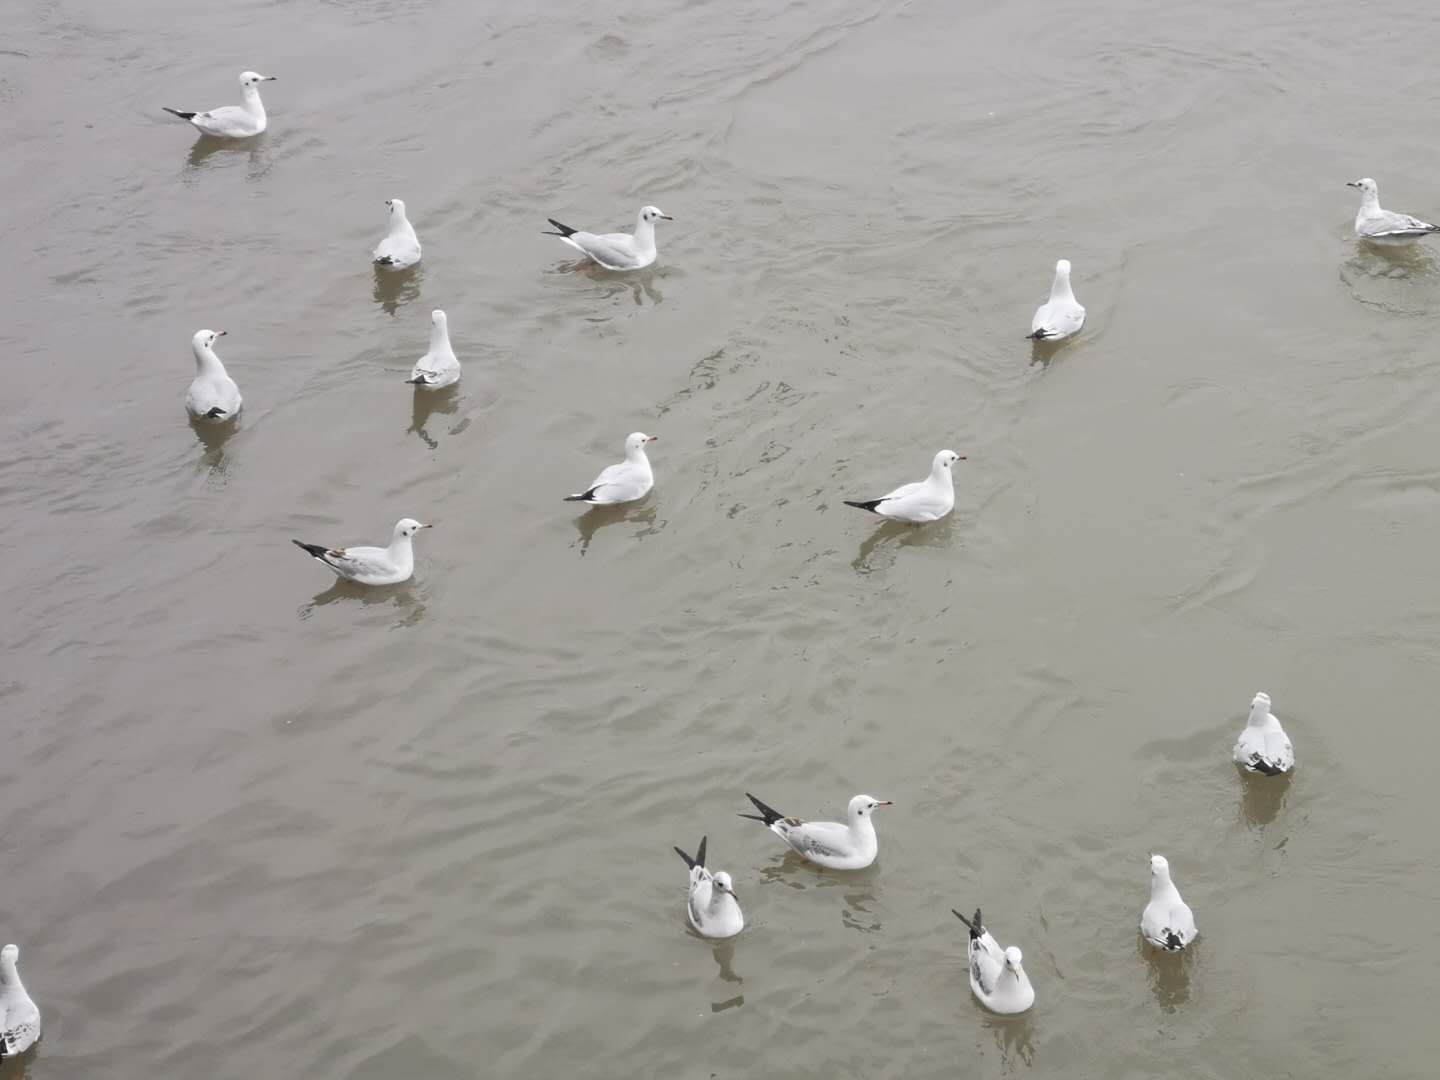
<point x="997" y="975"/>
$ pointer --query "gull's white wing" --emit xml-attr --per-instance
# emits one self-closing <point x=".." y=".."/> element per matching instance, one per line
<point x="228" y="120"/>
<point x="825" y="838"/>
<point x="360" y="561"/>
<point x="398" y="250"/>
<point x="987" y="960"/>
<point x="1058" y="320"/>
<point x="1389" y="223"/>
<point x="614" y="251"/>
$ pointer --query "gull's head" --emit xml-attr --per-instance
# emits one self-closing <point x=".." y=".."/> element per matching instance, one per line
<point x="397" y="206"/>
<point x="945" y="458"/>
<point x="1063" y="268"/>
<point x="636" y="440"/>
<point x="1013" y="959"/>
<point x="653" y="214"/>
<point x="437" y="317"/>
<point x="1159" y="866"/>
<point x="1365" y="184"/>
<point x="249" y="80"/>
<point x="408" y="527"/>
<point x="1260" y="706"/>
<point x="864" y="805"/>
<point x="205" y="339"/>
<point x="9" y="954"/>
<point x="723" y="883"/>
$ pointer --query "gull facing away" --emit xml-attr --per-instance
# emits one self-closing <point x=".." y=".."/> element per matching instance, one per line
<point x="1061" y="316"/>
<point x="213" y="395"/>
<point x="438" y="368"/>
<point x="617" y="251"/>
<point x="400" y="249"/>
<point x="1167" y="921"/>
<point x="19" y="1015"/>
<point x="713" y="908"/>
<point x="233" y="121"/>
<point x="372" y="565"/>
<point x="996" y="975"/>
<point x="1263" y="747"/>
<point x="624" y="482"/>
<point x="1385" y="226"/>
<point x="828" y="843"/>
<point x="926" y="500"/>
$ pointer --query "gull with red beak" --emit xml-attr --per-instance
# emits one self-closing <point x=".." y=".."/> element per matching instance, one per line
<point x="232" y="121"/>
<point x="213" y="396"/>
<point x="617" y="251"/>
<point x="372" y="565"/>
<point x="624" y="482"/>
<point x="852" y="846"/>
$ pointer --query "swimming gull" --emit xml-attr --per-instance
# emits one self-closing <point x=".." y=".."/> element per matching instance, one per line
<point x="1263" y="746"/>
<point x="926" y="500"/>
<point x="713" y="908"/>
<point x="19" y="1015"/>
<point x="213" y="395"/>
<point x="1385" y="226"/>
<point x="438" y="368"/>
<point x="828" y="843"/>
<point x="997" y="976"/>
<point x="617" y="251"/>
<point x="1061" y="316"/>
<point x="372" y="565"/>
<point x="233" y="121"/>
<point x="400" y="249"/>
<point x="624" y="482"/>
<point x="1167" y="921"/>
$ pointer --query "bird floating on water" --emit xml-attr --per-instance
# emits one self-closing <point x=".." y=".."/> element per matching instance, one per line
<point x="625" y="481"/>
<point x="997" y="976"/>
<point x="213" y="395"/>
<point x="400" y="249"/>
<point x="926" y="500"/>
<point x="1061" y="316"/>
<point x="233" y="121"/>
<point x="1167" y="921"/>
<point x="372" y="565"/>
<point x="438" y="368"/>
<point x="617" y="251"/>
<point x="852" y="846"/>
<point x="19" y="1015"/>
<point x="1263" y="747"/>
<point x="1385" y="226"/>
<point x="713" y="907"/>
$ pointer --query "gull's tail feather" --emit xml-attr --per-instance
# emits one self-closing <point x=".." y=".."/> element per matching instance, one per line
<point x="419" y="380"/>
<point x="1039" y="335"/>
<point x="565" y="230"/>
<point x="976" y="926"/>
<point x="1173" y="942"/>
<point x="584" y="496"/>
<point x="385" y="260"/>
<point x="871" y="505"/>
<point x="691" y="863"/>
<point x="1262" y="765"/>
<point x="177" y="112"/>
<point x="215" y="414"/>
<point x="315" y="551"/>
<point x="700" y="852"/>
<point x="770" y="814"/>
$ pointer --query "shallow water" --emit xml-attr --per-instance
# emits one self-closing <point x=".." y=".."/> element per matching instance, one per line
<point x="260" y="825"/>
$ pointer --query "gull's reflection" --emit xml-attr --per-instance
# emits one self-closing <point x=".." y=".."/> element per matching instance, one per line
<point x="1261" y="797"/>
<point x="1014" y="1038"/>
<point x="208" y="146"/>
<point x="1043" y="352"/>
<point x="600" y="517"/>
<point x="1169" y="973"/>
<point x="396" y="287"/>
<point x="402" y="597"/>
<point x="213" y="438"/>
<point x="879" y="549"/>
<point x="430" y="403"/>
<point x="725" y="960"/>
<point x="642" y="285"/>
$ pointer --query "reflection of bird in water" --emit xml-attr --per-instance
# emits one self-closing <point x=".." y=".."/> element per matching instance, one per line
<point x="725" y="959"/>
<point x="396" y="287"/>
<point x="426" y="404"/>
<point x="600" y="517"/>
<point x="1261" y="797"/>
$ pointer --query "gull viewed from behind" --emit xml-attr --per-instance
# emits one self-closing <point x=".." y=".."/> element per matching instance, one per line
<point x="1167" y="921"/>
<point x="19" y="1015"/>
<point x="213" y="396"/>
<point x="438" y="368"/>
<point x="852" y="846"/>
<point x="925" y="500"/>
<point x="624" y="482"/>
<point x="400" y="249"/>
<point x="617" y="251"/>
<point x="997" y="976"/>
<point x="372" y="565"/>
<point x="1263" y="747"/>
<point x="233" y="121"/>
<point x="1385" y="226"/>
<point x="1061" y="316"/>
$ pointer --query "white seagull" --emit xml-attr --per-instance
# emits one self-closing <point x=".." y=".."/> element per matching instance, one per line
<point x="624" y="482"/>
<point x="233" y="121"/>
<point x="372" y="565"/>
<point x="1263" y="746"/>
<point x="828" y="843"/>
<point x="713" y="908"/>
<point x="1167" y="921"/>
<point x="213" y="395"/>
<point x="926" y="500"/>
<point x="19" y="1015"/>
<point x="1385" y="226"/>
<point x="617" y="251"/>
<point x="437" y="368"/>
<point x="400" y="249"/>
<point x="996" y="975"/>
<point x="1061" y="316"/>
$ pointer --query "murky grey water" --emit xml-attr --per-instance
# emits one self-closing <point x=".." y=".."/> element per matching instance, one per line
<point x="255" y="825"/>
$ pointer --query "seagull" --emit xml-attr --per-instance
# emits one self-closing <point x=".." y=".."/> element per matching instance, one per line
<point x="927" y="500"/>
<point x="400" y="249"/>
<point x="625" y="482"/>
<point x="1385" y="226"/>
<point x="1061" y="316"/>
<point x="1263" y="746"/>
<point x="233" y="121"/>
<point x="19" y="1015"/>
<point x="828" y="843"/>
<point x="213" y="395"/>
<point x="713" y="907"/>
<point x="996" y="974"/>
<point x="1167" y="921"/>
<point x="437" y="368"/>
<point x="372" y="565"/>
<point x="617" y="251"/>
